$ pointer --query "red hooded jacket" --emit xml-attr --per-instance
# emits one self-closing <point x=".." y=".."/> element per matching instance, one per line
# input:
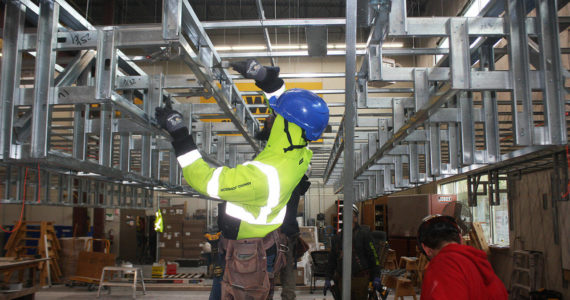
<point x="461" y="272"/>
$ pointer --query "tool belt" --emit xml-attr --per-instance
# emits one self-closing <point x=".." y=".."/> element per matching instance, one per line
<point x="246" y="275"/>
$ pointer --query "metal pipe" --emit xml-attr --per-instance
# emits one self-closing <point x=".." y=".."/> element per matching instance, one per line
<point x="349" y="124"/>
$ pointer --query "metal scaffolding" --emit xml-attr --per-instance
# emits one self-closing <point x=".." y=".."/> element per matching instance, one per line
<point x="454" y="122"/>
<point x="86" y="128"/>
<point x="88" y="120"/>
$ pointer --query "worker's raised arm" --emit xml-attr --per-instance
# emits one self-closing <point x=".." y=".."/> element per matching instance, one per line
<point x="266" y="78"/>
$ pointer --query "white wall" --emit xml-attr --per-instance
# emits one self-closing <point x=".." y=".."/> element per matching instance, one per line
<point x="10" y="213"/>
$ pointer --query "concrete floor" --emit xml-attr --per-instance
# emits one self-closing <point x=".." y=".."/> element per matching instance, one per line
<point x="67" y="293"/>
<point x="196" y="292"/>
<point x="63" y="292"/>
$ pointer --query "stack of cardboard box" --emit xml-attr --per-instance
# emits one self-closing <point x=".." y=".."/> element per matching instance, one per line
<point x="70" y="248"/>
<point x="193" y="238"/>
<point x="171" y="238"/>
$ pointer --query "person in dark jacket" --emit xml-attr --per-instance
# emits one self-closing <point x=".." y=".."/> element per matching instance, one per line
<point x="290" y="228"/>
<point x="365" y="262"/>
<point x="455" y="271"/>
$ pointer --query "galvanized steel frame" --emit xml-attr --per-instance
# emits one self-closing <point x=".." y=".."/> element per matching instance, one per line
<point x="88" y="126"/>
<point x="441" y="111"/>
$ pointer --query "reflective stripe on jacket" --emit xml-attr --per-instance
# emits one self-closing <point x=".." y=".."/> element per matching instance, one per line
<point x="256" y="191"/>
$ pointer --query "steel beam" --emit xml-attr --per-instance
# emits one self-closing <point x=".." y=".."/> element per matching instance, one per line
<point x="460" y="54"/>
<point x="44" y="78"/>
<point x="349" y="124"/>
<point x="14" y="21"/>
<point x="551" y="65"/>
<point x="467" y="125"/>
<point x="519" y="64"/>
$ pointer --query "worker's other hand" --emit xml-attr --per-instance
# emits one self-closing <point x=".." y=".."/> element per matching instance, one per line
<point x="266" y="78"/>
<point x="377" y="283"/>
<point x="328" y="286"/>
<point x="250" y="69"/>
<point x="173" y="122"/>
<point x="170" y="120"/>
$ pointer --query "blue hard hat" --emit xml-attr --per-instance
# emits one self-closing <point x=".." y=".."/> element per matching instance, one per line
<point x="304" y="108"/>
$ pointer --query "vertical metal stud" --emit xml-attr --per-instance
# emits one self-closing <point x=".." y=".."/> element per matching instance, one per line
<point x="379" y="183"/>
<point x="398" y="172"/>
<point x="233" y="156"/>
<point x="427" y="160"/>
<point x="372" y="144"/>
<point x="207" y="139"/>
<point x="490" y="108"/>
<point x="550" y="64"/>
<point x="349" y="124"/>
<point x="398" y="24"/>
<point x="106" y="135"/>
<point x="398" y="114"/>
<point x="44" y="77"/>
<point x="14" y="22"/>
<point x="414" y="163"/>
<point x="79" y="139"/>
<point x="125" y="152"/>
<point x="467" y="129"/>
<point x="221" y="149"/>
<point x="382" y="132"/>
<point x="519" y="64"/>
<point x="174" y="169"/>
<point x="171" y="19"/>
<point x="459" y="53"/>
<point x="106" y="64"/>
<point x="421" y="88"/>
<point x="435" y="149"/>
<point x="388" y="186"/>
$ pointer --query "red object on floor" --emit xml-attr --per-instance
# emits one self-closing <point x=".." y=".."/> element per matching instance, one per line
<point x="171" y="269"/>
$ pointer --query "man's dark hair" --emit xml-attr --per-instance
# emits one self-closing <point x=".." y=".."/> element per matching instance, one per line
<point x="435" y="231"/>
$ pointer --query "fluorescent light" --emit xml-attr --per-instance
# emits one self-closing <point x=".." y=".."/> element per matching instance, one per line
<point x="223" y="48"/>
<point x="248" y="47"/>
<point x="393" y="45"/>
<point x="298" y="47"/>
<point x="0" y="54"/>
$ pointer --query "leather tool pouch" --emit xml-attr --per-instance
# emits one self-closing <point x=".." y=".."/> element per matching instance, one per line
<point x="246" y="270"/>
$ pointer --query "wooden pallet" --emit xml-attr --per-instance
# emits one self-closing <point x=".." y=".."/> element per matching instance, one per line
<point x="477" y="238"/>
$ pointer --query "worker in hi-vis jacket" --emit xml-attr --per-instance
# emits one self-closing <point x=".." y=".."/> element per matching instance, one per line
<point x="256" y="192"/>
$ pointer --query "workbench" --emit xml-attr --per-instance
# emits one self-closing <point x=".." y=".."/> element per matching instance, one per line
<point x="9" y="265"/>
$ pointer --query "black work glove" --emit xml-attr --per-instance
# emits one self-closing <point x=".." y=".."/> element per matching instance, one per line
<point x="173" y="122"/>
<point x="266" y="78"/>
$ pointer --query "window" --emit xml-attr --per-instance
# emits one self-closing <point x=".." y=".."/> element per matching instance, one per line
<point x="493" y="219"/>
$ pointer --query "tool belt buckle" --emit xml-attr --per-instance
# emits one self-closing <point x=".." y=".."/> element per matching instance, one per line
<point x="282" y="248"/>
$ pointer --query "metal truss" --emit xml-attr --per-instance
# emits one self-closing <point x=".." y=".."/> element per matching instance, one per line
<point x="454" y="122"/>
<point x="88" y="124"/>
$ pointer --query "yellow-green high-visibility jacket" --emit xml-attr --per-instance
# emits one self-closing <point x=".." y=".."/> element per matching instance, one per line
<point x="256" y="191"/>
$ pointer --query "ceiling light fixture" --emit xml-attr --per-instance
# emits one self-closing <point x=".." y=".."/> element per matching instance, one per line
<point x="298" y="47"/>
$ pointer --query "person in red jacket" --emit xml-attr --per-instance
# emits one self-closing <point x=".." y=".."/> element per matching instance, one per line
<point x="455" y="271"/>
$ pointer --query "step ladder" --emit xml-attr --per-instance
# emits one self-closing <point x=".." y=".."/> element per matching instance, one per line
<point x="527" y="273"/>
<point x="34" y="238"/>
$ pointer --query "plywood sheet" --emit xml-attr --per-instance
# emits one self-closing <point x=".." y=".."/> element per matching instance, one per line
<point x="533" y="224"/>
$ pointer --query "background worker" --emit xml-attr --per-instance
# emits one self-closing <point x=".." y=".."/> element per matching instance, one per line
<point x="365" y="263"/>
<point x="455" y="271"/>
<point x="256" y="192"/>
<point x="290" y="229"/>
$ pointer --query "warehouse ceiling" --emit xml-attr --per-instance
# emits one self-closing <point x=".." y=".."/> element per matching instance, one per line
<point x="107" y="12"/>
